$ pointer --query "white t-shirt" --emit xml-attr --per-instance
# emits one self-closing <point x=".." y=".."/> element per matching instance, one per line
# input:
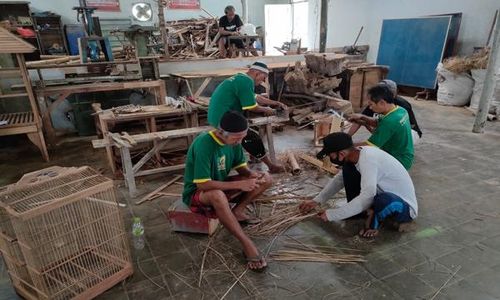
<point x="380" y="172"/>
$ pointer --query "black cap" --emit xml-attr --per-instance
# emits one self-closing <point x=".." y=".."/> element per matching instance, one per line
<point x="233" y="122"/>
<point x="335" y="142"/>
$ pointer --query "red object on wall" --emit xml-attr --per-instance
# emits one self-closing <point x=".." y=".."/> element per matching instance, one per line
<point x="184" y="4"/>
<point x="25" y="32"/>
<point x="104" y="5"/>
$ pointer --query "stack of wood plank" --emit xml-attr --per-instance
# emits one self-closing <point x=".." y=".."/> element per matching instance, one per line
<point x="194" y="38"/>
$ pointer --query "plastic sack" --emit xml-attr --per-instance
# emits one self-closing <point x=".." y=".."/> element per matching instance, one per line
<point x="453" y="89"/>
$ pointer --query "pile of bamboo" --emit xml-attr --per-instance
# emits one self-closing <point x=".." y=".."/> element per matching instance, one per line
<point x="193" y="38"/>
<point x="279" y="221"/>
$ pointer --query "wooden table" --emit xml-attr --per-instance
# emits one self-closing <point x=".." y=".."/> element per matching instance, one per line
<point x="208" y="76"/>
<point x="247" y="41"/>
<point x="149" y="115"/>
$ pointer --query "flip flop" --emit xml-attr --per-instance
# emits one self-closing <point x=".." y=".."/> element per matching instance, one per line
<point x="257" y="259"/>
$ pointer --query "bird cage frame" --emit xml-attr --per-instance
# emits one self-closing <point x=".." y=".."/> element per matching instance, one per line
<point x="62" y="235"/>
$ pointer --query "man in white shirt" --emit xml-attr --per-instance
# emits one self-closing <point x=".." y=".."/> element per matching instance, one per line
<point x="386" y="187"/>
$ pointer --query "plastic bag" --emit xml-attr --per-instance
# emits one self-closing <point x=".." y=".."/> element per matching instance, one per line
<point x="453" y="89"/>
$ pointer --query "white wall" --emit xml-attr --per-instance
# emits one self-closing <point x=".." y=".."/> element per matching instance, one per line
<point x="64" y="8"/>
<point x="345" y="17"/>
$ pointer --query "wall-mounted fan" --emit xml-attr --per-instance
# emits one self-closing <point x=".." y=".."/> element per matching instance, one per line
<point x="142" y="12"/>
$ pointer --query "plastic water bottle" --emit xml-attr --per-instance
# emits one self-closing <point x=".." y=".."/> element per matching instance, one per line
<point x="138" y="233"/>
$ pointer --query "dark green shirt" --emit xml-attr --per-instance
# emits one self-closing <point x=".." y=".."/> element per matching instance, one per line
<point x="393" y="135"/>
<point x="234" y="93"/>
<point x="209" y="159"/>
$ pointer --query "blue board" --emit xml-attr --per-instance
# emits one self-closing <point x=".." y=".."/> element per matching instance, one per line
<point x="412" y="48"/>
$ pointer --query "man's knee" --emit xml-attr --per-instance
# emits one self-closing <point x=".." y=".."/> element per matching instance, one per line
<point x="215" y="198"/>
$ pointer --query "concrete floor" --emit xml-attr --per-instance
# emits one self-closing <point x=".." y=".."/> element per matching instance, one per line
<point x="457" y="183"/>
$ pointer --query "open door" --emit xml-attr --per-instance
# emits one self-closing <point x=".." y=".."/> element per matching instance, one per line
<point x="278" y="20"/>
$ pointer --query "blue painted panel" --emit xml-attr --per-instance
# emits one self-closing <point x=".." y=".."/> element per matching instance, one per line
<point x="412" y="48"/>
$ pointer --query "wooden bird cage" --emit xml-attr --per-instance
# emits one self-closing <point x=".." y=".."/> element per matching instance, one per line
<point x="62" y="235"/>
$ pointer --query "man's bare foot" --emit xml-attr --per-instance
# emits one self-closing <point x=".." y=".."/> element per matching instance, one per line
<point x="255" y="260"/>
<point x="368" y="233"/>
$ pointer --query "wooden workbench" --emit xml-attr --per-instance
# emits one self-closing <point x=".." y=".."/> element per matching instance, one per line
<point x="208" y="76"/>
<point x="149" y="115"/>
<point x="64" y="91"/>
<point x="161" y="139"/>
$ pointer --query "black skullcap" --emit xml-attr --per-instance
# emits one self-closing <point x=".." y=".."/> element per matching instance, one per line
<point x="335" y="142"/>
<point x="233" y="122"/>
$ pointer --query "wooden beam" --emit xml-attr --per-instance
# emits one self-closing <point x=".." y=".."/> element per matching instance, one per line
<point x="323" y="27"/>
<point x="158" y="190"/>
<point x="318" y="163"/>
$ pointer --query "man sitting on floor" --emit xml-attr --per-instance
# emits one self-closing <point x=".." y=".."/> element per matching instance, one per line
<point x="237" y="93"/>
<point x="399" y="101"/>
<point x="208" y="187"/>
<point x="386" y="187"/>
<point x="392" y="128"/>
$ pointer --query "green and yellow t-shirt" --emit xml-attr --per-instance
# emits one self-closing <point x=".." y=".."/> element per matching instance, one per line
<point x="393" y="135"/>
<point x="209" y="159"/>
<point x="235" y="93"/>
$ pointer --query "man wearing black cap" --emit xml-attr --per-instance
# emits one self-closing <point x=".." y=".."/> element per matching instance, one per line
<point x="237" y="93"/>
<point x="386" y="187"/>
<point x="208" y="186"/>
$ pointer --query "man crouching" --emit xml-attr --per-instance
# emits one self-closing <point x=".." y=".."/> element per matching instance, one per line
<point x="386" y="191"/>
<point x="208" y="188"/>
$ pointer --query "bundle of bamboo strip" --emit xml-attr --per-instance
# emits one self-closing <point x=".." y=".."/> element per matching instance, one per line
<point x="316" y="256"/>
<point x="279" y="221"/>
<point x="316" y="253"/>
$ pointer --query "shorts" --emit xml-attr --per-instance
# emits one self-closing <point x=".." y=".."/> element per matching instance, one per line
<point x="208" y="211"/>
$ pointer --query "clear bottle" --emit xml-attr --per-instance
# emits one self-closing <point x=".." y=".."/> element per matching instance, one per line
<point x="138" y="233"/>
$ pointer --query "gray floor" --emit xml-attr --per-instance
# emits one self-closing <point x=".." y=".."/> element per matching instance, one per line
<point x="458" y="230"/>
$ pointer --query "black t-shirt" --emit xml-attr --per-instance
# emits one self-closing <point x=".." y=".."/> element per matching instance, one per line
<point x="404" y="104"/>
<point x="232" y="25"/>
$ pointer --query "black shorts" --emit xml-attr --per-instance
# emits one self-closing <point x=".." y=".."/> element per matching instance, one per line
<point x="253" y="144"/>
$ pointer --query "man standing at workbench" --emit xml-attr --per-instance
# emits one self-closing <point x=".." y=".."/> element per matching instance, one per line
<point x="237" y="93"/>
<point x="208" y="188"/>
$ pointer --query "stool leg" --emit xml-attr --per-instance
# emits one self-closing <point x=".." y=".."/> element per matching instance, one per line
<point x="128" y="173"/>
<point x="270" y="142"/>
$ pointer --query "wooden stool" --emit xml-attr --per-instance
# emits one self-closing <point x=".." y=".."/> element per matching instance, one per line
<point x="184" y="220"/>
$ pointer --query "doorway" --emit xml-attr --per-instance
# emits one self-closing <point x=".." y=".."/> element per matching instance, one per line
<point x="284" y="22"/>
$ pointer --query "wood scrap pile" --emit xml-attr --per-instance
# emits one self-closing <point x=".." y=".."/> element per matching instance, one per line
<point x="194" y="38"/>
<point x="312" y="89"/>
<point x="303" y="81"/>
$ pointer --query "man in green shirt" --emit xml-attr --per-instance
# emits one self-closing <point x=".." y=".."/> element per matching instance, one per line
<point x="237" y="93"/>
<point x="208" y="187"/>
<point x="392" y="134"/>
<point x="392" y="128"/>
